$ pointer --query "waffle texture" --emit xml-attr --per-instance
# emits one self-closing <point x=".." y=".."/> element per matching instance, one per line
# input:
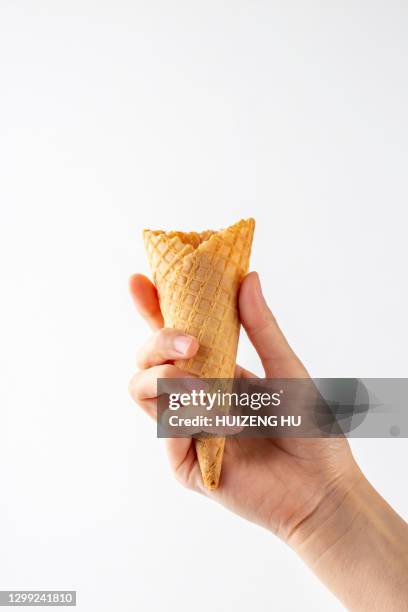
<point x="197" y="276"/>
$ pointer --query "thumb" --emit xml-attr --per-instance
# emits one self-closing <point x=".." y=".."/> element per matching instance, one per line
<point x="278" y="359"/>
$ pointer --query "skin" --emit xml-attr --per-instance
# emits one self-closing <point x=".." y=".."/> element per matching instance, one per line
<point x="309" y="492"/>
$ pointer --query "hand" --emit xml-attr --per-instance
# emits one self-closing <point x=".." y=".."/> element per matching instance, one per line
<point x="308" y="491"/>
<point x="277" y="483"/>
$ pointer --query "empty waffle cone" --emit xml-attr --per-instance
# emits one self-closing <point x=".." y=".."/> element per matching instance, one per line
<point x="197" y="276"/>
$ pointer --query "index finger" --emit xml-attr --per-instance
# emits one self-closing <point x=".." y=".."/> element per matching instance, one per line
<point x="145" y="297"/>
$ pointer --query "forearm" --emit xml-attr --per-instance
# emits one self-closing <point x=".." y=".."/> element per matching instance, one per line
<point x="358" y="546"/>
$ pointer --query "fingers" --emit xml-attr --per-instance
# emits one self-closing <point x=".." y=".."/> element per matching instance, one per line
<point x="278" y="359"/>
<point x="181" y="454"/>
<point x="166" y="345"/>
<point x="145" y="297"/>
<point x="183" y="460"/>
<point x="143" y="385"/>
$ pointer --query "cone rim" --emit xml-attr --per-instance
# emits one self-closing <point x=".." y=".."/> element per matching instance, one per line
<point x="195" y="240"/>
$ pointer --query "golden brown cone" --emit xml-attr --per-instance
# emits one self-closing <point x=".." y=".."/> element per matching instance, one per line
<point x="197" y="276"/>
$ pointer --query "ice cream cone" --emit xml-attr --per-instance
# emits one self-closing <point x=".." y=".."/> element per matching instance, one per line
<point x="197" y="276"/>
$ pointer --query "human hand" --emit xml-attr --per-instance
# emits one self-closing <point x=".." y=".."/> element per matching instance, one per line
<point x="275" y="482"/>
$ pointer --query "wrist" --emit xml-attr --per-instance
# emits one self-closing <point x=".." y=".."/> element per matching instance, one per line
<point x="334" y="518"/>
<point x="354" y="538"/>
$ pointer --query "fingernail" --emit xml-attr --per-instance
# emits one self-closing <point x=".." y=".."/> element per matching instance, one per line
<point x="182" y="344"/>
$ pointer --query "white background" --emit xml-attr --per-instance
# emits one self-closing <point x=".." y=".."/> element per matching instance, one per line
<point x="120" y="115"/>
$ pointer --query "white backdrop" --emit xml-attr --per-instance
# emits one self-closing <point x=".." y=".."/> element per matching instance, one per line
<point x="118" y="115"/>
